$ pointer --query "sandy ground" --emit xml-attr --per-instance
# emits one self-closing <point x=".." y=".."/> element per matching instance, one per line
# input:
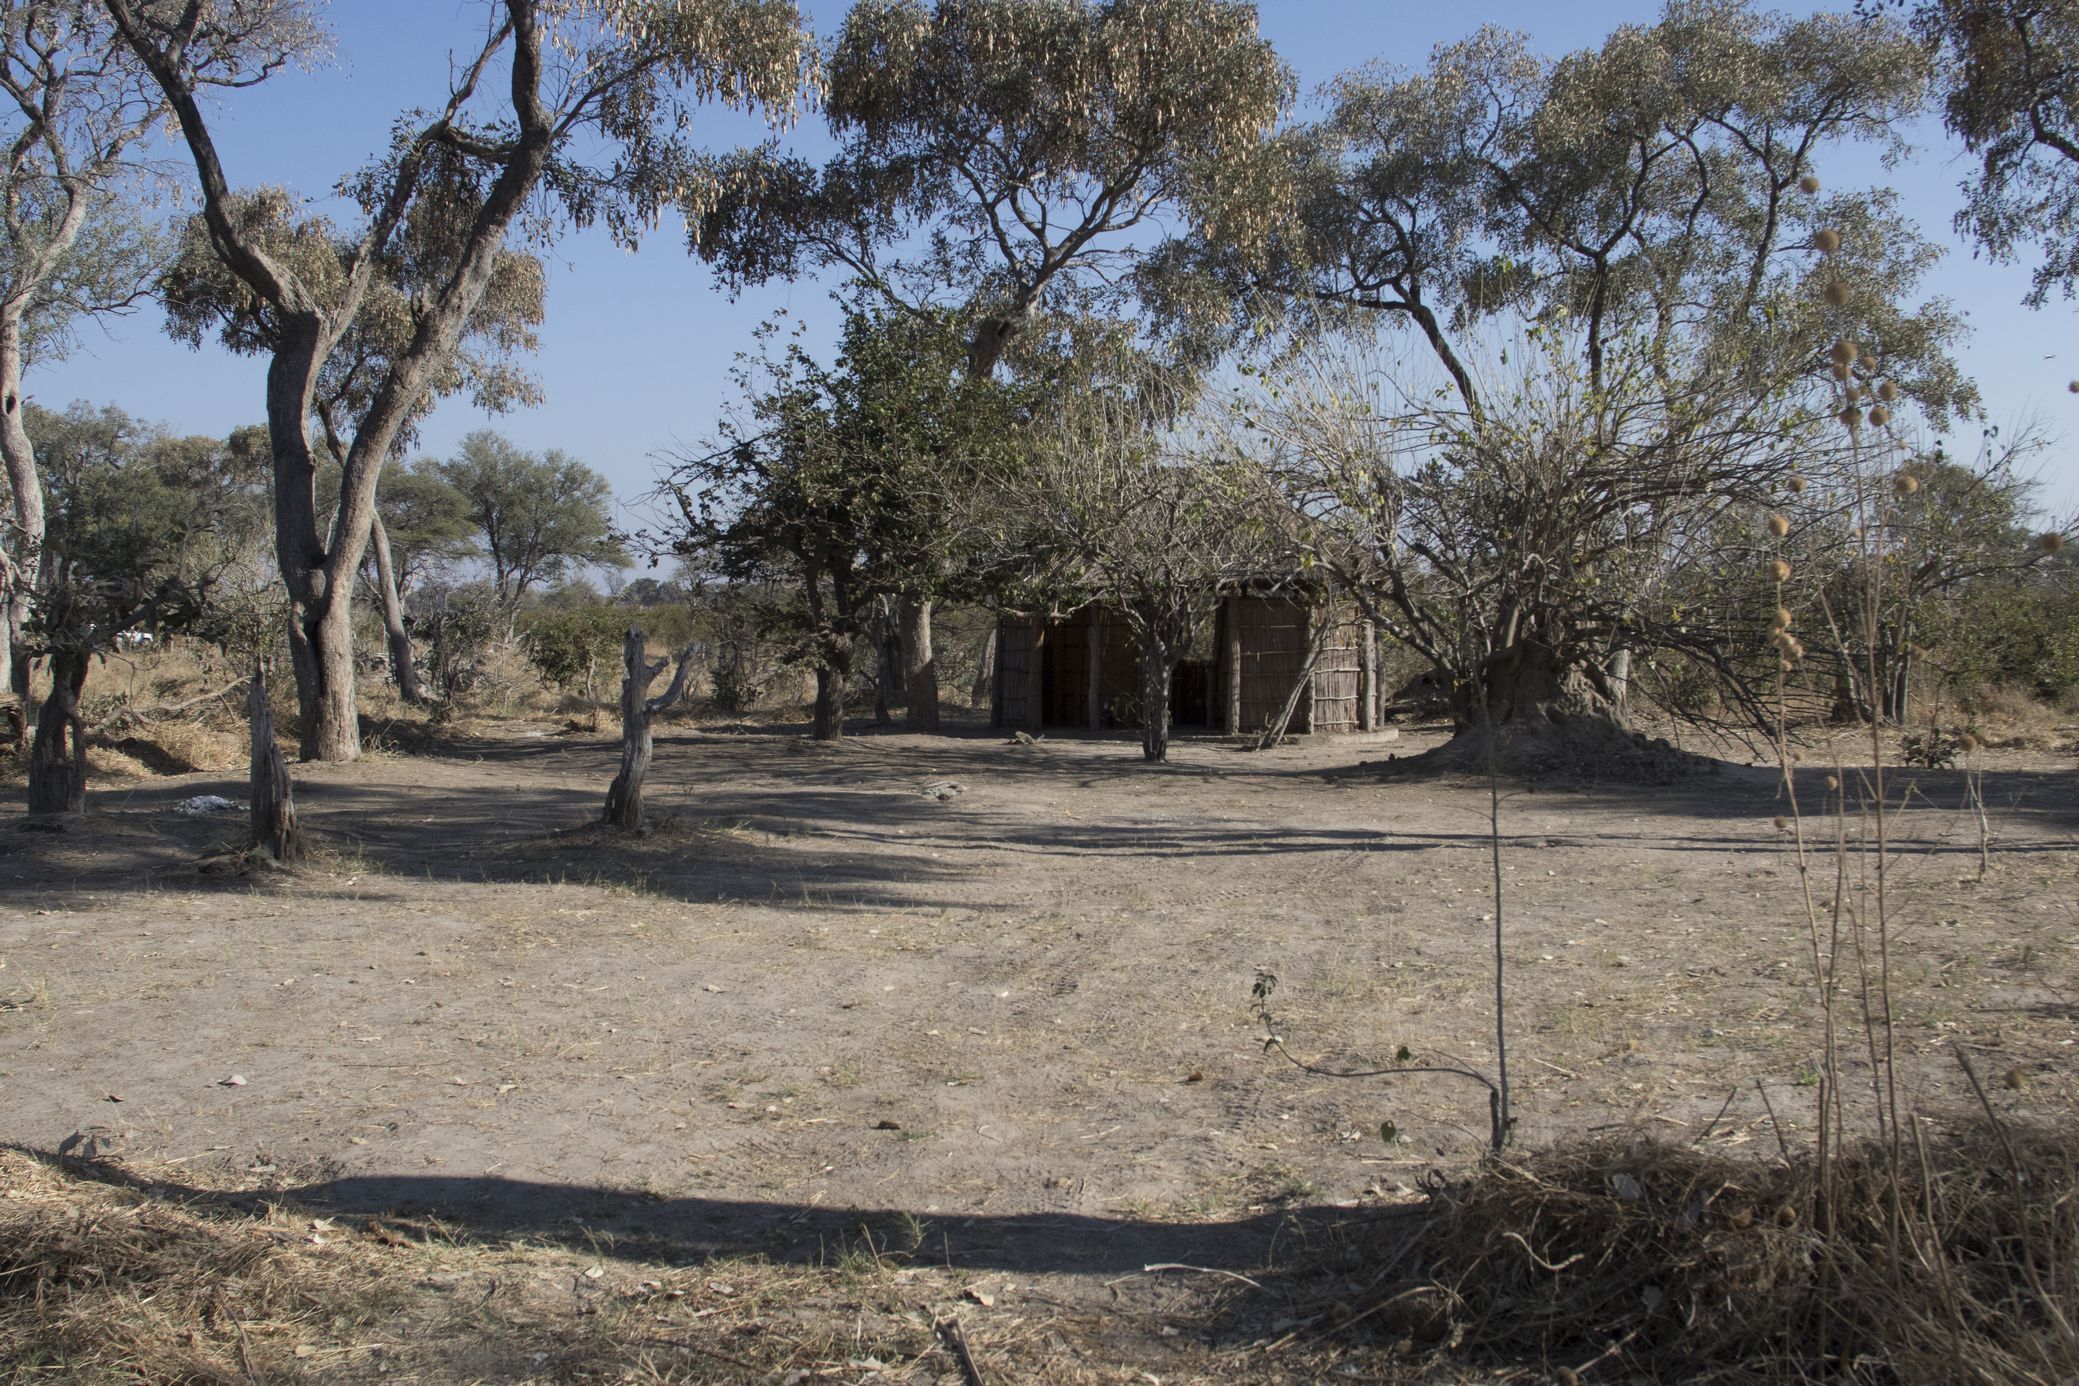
<point x="1010" y="1028"/>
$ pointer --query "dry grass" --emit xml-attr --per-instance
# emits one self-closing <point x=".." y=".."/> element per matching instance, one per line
<point x="1604" y="1259"/>
<point x="109" y="1276"/>
<point x="1599" y="1261"/>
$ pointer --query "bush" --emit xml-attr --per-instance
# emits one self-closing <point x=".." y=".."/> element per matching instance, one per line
<point x="459" y="636"/>
<point x="569" y="646"/>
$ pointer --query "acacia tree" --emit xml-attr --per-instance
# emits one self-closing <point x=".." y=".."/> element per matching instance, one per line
<point x="612" y="81"/>
<point x="1000" y="159"/>
<point x="1640" y="225"/>
<point x="535" y="516"/>
<point x="74" y="110"/>
<point x="774" y="504"/>
<point x="841" y="480"/>
<point x="139" y="526"/>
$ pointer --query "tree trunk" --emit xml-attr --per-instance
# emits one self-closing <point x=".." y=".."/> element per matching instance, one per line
<point x="8" y="622"/>
<point x="1368" y="680"/>
<point x="58" y="773"/>
<point x="1618" y="674"/>
<point x="984" y="689"/>
<point x="1524" y="684"/>
<point x="399" y="639"/>
<point x="624" y="806"/>
<point x="830" y="704"/>
<point x="321" y="647"/>
<point x="919" y="667"/>
<point x="887" y="663"/>
<point x="274" y="826"/>
<point x="22" y="568"/>
<point x="308" y="325"/>
<point x="1155" y="676"/>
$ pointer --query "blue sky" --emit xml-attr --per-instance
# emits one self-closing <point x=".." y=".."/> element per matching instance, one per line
<point x="637" y="347"/>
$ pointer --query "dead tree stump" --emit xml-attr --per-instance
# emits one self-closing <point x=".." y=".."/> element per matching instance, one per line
<point x="624" y="797"/>
<point x="275" y="829"/>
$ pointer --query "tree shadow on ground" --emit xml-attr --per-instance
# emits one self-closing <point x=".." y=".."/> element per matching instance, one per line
<point x="692" y="1229"/>
<point x="789" y="824"/>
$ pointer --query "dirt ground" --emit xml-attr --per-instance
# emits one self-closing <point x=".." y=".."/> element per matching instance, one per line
<point x="1009" y="1028"/>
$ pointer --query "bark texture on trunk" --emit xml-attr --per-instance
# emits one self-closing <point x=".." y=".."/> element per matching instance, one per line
<point x="624" y="803"/>
<point x="1368" y="681"/>
<point x="1155" y="677"/>
<point x="23" y="564"/>
<point x="58" y="770"/>
<point x="1527" y="683"/>
<point x="402" y="670"/>
<point x="919" y="667"/>
<point x="890" y="689"/>
<point x="321" y="651"/>
<point x="274" y="826"/>
<point x="984" y="690"/>
<point x="829" y="722"/>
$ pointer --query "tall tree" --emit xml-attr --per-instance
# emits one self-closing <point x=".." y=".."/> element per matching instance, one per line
<point x="75" y="108"/>
<point x="140" y="523"/>
<point x="594" y="125"/>
<point x="1000" y="158"/>
<point x="426" y="520"/>
<point x="201" y="293"/>
<point x="775" y="503"/>
<point x="1639" y="225"/>
<point x="536" y="516"/>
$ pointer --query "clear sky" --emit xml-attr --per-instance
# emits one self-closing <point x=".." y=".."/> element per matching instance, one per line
<point x="636" y="348"/>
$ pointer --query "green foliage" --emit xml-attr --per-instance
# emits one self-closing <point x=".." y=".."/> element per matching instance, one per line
<point x="1611" y="263"/>
<point x="460" y="632"/>
<point x="202" y="296"/>
<point x="537" y="516"/>
<point x="569" y="645"/>
<point x="995" y="156"/>
<point x="2008" y="94"/>
<point x="140" y="524"/>
<point x="1644" y="191"/>
<point x="76" y="238"/>
<point x="426" y="518"/>
<point x="2009" y="630"/>
<point x="849" y="480"/>
<point x="1937" y="748"/>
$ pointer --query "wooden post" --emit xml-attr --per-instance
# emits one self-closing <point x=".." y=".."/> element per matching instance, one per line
<point x="1096" y="681"/>
<point x="274" y="825"/>
<point x="998" y="669"/>
<point x="624" y="808"/>
<point x="1368" y="681"/>
<point x="1315" y="640"/>
<point x="985" y="676"/>
<point x="1231" y="612"/>
<point x="1035" y="677"/>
